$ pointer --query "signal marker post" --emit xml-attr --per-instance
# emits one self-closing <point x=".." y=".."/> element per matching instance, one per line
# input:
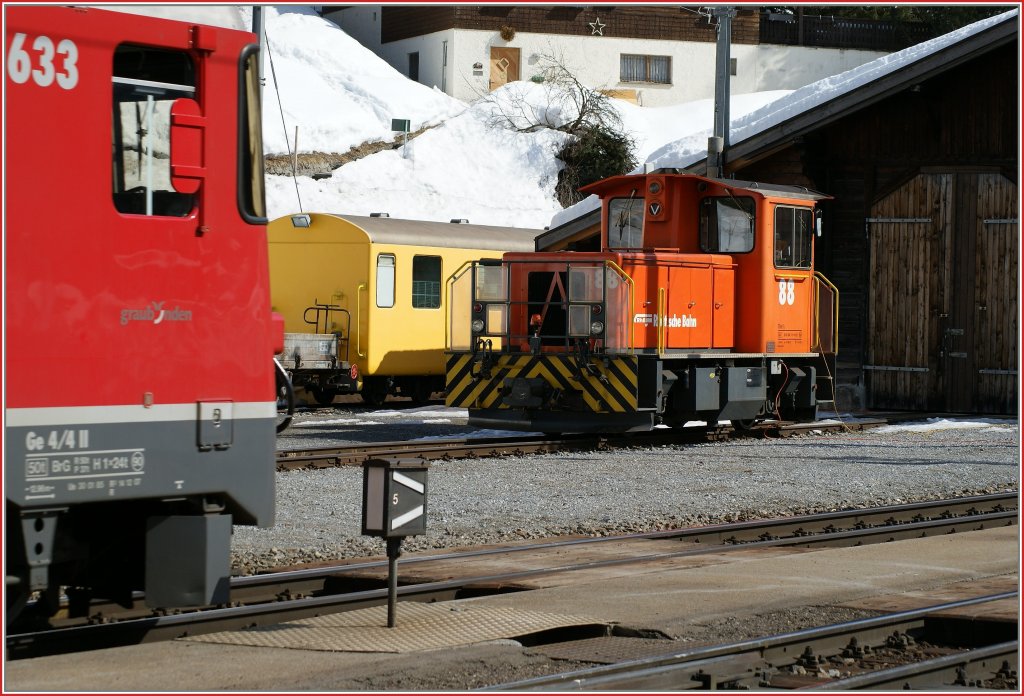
<point x="394" y="507"/>
<point x="401" y="125"/>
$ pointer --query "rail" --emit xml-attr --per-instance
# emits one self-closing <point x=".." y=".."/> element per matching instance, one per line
<point x="756" y="664"/>
<point x="841" y="32"/>
<point x="475" y="447"/>
<point x="326" y="310"/>
<point x="261" y="600"/>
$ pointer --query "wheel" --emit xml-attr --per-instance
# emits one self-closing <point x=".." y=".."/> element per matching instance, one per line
<point x="324" y="397"/>
<point x="743" y="424"/>
<point x="285" y="397"/>
<point x="421" y="391"/>
<point x="375" y="391"/>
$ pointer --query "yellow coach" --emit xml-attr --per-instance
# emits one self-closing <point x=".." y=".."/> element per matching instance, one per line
<point x="363" y="298"/>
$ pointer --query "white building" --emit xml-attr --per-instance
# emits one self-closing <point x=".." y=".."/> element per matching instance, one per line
<point x="653" y="55"/>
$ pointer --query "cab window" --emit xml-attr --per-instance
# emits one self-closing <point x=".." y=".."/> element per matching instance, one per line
<point x="146" y="82"/>
<point x="793" y="237"/>
<point x="726" y="225"/>
<point x="426" y="282"/>
<point x="626" y="223"/>
<point x="252" y="202"/>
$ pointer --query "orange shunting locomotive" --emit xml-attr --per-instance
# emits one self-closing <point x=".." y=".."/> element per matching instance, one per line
<point x="702" y="305"/>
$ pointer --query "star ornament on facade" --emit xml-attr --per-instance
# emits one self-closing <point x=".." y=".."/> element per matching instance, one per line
<point x="597" y="28"/>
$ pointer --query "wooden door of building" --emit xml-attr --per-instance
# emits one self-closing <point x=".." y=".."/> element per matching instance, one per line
<point x="942" y="295"/>
<point x="996" y="296"/>
<point x="504" y="66"/>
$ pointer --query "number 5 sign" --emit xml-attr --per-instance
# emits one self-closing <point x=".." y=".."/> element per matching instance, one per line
<point x="395" y="497"/>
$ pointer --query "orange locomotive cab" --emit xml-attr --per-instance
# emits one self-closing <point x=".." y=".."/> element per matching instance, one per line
<point x="764" y="233"/>
<point x="702" y="304"/>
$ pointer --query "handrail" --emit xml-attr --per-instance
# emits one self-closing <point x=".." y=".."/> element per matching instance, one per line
<point x="660" y="321"/>
<point x="359" y="323"/>
<point x="631" y="340"/>
<point x="602" y="265"/>
<point x="449" y="289"/>
<point x="822" y="280"/>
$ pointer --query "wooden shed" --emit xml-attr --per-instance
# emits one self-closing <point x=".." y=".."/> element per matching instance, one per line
<point x="922" y="238"/>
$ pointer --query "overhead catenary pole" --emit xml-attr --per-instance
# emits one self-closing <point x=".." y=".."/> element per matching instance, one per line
<point x="257" y="29"/>
<point x="718" y="144"/>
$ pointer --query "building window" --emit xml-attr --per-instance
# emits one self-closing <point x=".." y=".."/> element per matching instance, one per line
<point x="414" y="66"/>
<point x="426" y="282"/>
<point x="635" y="68"/>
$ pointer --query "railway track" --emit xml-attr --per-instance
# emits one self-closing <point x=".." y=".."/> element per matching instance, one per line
<point x="270" y="598"/>
<point x="898" y="651"/>
<point x="461" y="448"/>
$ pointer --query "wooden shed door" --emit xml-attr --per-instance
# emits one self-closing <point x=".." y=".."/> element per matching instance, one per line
<point x="942" y="295"/>
<point x="504" y="66"/>
<point x="996" y="307"/>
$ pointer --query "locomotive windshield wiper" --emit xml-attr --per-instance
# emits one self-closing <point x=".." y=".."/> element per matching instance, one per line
<point x="624" y="216"/>
<point x="739" y="206"/>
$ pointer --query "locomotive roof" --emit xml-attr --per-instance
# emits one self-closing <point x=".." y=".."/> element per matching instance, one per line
<point x="782" y="190"/>
<point x="388" y="230"/>
<point x="766" y="189"/>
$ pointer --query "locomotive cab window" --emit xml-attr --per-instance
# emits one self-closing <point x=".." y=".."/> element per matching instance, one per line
<point x="626" y="222"/>
<point x="146" y="82"/>
<point x="727" y="225"/>
<point x="793" y="237"/>
<point x="426" y="282"/>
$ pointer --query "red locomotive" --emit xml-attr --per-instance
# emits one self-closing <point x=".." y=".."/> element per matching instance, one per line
<point x="702" y="304"/>
<point x="140" y="403"/>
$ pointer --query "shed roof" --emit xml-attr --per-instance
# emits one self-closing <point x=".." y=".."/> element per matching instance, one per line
<point x="932" y="63"/>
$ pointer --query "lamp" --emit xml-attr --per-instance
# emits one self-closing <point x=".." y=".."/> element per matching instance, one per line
<point x="300" y="220"/>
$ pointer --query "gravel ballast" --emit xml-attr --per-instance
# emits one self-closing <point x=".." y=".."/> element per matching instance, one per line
<point x="505" y="499"/>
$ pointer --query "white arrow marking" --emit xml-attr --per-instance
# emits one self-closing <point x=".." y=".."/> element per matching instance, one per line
<point x="407" y="482"/>
<point x="407" y="517"/>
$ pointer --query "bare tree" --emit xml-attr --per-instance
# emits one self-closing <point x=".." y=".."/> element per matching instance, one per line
<point x="596" y="148"/>
<point x="567" y="105"/>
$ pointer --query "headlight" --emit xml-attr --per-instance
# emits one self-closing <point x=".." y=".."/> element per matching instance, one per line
<point x="477" y="325"/>
<point x="596" y="327"/>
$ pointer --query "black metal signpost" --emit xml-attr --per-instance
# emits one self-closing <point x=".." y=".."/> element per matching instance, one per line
<point x="394" y="507"/>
